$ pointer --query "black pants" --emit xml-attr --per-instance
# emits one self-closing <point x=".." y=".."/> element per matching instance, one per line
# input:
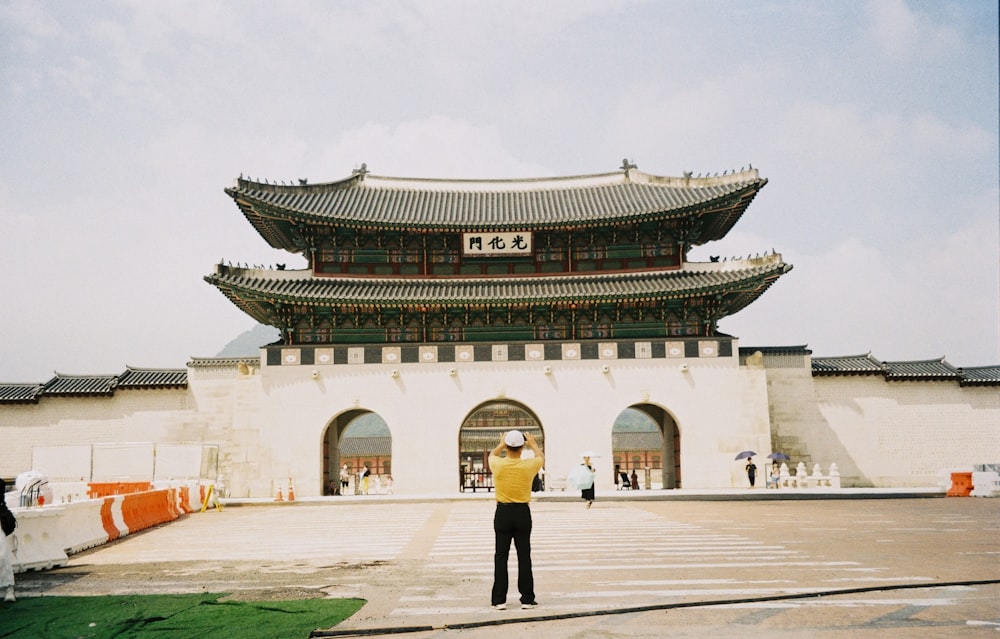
<point x="512" y="522"/>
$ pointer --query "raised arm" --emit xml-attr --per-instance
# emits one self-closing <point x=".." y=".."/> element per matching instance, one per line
<point x="529" y="439"/>
<point x="499" y="447"/>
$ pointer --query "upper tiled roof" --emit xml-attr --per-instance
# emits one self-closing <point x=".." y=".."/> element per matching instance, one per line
<point x="365" y="200"/>
<point x="245" y="285"/>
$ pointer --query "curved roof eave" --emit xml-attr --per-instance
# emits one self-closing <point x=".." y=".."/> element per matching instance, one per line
<point x="247" y="287"/>
<point x="581" y="201"/>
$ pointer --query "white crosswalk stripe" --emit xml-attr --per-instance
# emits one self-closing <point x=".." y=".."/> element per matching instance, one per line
<point x="349" y="534"/>
<point x="573" y="548"/>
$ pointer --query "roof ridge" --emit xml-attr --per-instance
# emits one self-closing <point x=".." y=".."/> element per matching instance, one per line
<point x="613" y="178"/>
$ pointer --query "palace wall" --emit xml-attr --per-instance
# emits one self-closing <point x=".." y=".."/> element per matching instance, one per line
<point x="128" y="416"/>
<point x="910" y="433"/>
<point x="880" y="433"/>
<point x="269" y="422"/>
<point x="281" y="413"/>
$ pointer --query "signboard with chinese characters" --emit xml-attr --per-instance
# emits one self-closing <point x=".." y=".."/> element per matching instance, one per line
<point x="496" y="244"/>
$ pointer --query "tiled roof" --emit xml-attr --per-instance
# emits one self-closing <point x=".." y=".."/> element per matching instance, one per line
<point x="153" y="378"/>
<point x="847" y="365"/>
<point x="916" y="370"/>
<point x="629" y="441"/>
<point x="366" y="446"/>
<point x="366" y="200"/>
<point x="222" y="362"/>
<point x="243" y="286"/>
<point x="19" y="393"/>
<point x="78" y="385"/>
<point x="775" y="350"/>
<point x="920" y="369"/>
<point x="62" y="385"/>
<point x="979" y="376"/>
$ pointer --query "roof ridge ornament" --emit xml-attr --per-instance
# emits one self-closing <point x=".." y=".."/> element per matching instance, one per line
<point x="363" y="171"/>
<point x="627" y="166"/>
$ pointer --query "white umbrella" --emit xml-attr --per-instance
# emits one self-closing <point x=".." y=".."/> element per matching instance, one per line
<point x="580" y="477"/>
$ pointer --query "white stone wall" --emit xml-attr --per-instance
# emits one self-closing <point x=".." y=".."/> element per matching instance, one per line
<point x="269" y="422"/>
<point x="910" y="433"/>
<point x="128" y="416"/>
<point x="286" y="410"/>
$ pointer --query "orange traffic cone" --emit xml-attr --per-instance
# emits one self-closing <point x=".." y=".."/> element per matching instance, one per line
<point x="279" y="497"/>
<point x="291" y="490"/>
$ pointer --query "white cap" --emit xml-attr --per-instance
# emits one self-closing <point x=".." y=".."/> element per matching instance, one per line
<point x="514" y="439"/>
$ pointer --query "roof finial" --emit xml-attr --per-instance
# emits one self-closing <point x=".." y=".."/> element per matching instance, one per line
<point x="627" y="165"/>
<point x="363" y="171"/>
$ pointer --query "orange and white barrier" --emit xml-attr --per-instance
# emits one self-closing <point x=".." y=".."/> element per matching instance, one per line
<point x="46" y="536"/>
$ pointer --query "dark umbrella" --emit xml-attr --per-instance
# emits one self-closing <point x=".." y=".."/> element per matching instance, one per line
<point x="745" y="454"/>
<point x="779" y="457"/>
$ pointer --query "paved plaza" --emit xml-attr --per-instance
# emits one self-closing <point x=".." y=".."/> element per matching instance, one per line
<point x="886" y="567"/>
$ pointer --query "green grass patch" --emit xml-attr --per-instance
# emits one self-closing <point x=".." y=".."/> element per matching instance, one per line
<point x="168" y="616"/>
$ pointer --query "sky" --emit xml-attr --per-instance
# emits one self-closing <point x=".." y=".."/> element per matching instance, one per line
<point x="121" y="122"/>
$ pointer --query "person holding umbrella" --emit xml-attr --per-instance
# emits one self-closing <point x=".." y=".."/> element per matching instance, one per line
<point x="588" y="493"/>
<point x="751" y="471"/>
<point x="751" y="467"/>
<point x="775" y="478"/>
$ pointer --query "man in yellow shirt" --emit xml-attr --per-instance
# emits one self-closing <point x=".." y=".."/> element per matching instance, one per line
<point x="512" y="476"/>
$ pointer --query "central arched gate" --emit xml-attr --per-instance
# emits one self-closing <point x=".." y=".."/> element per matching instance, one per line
<point x="480" y="433"/>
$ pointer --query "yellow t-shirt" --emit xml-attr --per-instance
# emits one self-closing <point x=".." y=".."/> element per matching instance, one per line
<point x="512" y="478"/>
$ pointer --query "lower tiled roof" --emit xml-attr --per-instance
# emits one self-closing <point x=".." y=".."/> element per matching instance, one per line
<point x="79" y="385"/>
<point x="222" y="362"/>
<point x="915" y="370"/>
<point x="979" y="376"/>
<point x="62" y="385"/>
<point x="920" y="369"/>
<point x="153" y="378"/>
<point x="20" y="393"/>
<point x="847" y="365"/>
<point x="246" y="287"/>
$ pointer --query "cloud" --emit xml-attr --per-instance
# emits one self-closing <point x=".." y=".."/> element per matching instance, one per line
<point x="901" y="32"/>
<point x="436" y="146"/>
<point x="857" y="296"/>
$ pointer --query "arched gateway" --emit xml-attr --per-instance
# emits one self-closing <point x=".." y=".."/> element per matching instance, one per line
<point x="480" y="433"/>
<point x="419" y="297"/>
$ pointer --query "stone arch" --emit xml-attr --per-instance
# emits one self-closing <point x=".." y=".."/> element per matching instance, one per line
<point x="479" y="434"/>
<point x="654" y="444"/>
<point x="371" y="447"/>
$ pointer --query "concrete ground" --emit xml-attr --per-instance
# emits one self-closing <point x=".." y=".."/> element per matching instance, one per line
<point x="873" y="564"/>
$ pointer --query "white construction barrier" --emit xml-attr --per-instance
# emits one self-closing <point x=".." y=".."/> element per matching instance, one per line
<point x="37" y="541"/>
<point x="81" y="526"/>
<point x="985" y="483"/>
<point x="46" y="535"/>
